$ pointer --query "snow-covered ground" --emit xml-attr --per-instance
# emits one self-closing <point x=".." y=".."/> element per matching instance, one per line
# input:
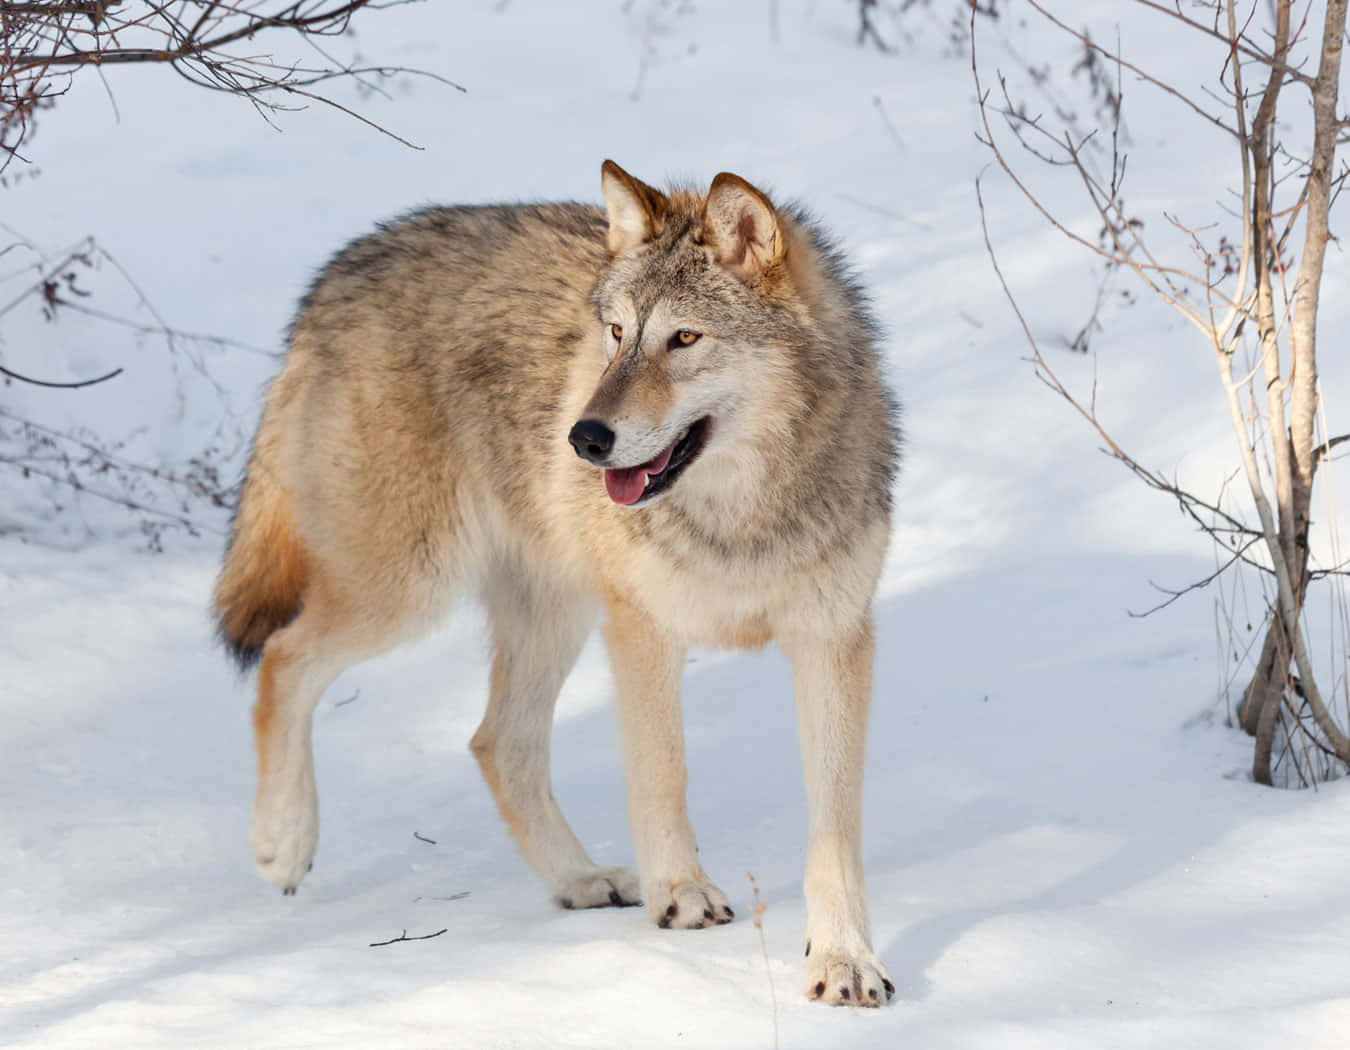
<point x="1063" y="846"/>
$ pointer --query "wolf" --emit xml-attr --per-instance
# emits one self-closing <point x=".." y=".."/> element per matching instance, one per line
<point x="668" y="415"/>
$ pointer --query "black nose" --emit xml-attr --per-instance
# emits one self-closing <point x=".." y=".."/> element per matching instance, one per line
<point x="592" y="440"/>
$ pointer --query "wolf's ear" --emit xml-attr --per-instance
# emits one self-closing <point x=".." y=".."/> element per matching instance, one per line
<point x="742" y="227"/>
<point x="637" y="212"/>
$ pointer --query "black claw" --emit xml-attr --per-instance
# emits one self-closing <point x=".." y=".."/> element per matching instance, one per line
<point x="665" y="922"/>
<point x="707" y="913"/>
<point x="808" y="949"/>
<point x="615" y="899"/>
<point x="730" y="914"/>
<point x="844" y="993"/>
<point x="672" y="911"/>
<point x="872" y="993"/>
<point x="820" y="989"/>
<point x="289" y="891"/>
<point x="566" y="902"/>
<point x="890" y="988"/>
<point x="311" y="866"/>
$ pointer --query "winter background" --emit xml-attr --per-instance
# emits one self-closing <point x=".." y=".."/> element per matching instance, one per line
<point x="1063" y="844"/>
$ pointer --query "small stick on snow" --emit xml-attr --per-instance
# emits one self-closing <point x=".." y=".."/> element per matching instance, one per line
<point x="404" y="937"/>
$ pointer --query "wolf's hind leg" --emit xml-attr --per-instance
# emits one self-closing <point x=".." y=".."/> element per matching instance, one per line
<point x="537" y="635"/>
<point x="298" y="664"/>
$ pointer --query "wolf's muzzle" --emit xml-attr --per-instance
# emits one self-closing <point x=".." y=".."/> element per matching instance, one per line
<point x="592" y="440"/>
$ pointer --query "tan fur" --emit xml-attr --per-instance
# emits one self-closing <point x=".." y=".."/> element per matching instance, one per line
<point x="637" y="212"/>
<point x="742" y="228"/>
<point x="260" y="589"/>
<point x="265" y="714"/>
<point x="646" y="400"/>
<point x="415" y="447"/>
<point x="483" y="744"/>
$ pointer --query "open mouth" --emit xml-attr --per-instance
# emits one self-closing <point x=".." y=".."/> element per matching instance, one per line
<point x="633" y="485"/>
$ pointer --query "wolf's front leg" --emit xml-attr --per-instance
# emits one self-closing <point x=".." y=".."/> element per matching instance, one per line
<point x="833" y="679"/>
<point x="537" y="633"/>
<point x="647" y="670"/>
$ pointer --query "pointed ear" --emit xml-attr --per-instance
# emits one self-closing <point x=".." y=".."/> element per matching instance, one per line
<point x="636" y="211"/>
<point x="742" y="227"/>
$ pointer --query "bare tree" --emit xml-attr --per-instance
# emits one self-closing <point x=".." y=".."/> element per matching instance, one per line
<point x="229" y="46"/>
<point x="1256" y="305"/>
<point x="211" y="44"/>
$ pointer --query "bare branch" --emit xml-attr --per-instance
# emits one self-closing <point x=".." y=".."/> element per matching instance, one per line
<point x="59" y="386"/>
<point x="1142" y="74"/>
<point x="1322" y="450"/>
<point x="1239" y="43"/>
<point x="404" y="937"/>
<point x="1266" y="297"/>
<point x="43" y="45"/>
<point x="1198" y="585"/>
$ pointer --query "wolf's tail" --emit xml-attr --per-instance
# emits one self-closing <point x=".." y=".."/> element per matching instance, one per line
<point x="266" y="566"/>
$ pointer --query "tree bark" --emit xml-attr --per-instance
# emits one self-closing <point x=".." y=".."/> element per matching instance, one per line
<point x="1295" y="449"/>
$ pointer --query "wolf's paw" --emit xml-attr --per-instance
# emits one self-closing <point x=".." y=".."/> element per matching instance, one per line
<point x="688" y="905"/>
<point x="598" y="888"/>
<point x="843" y="979"/>
<point x="283" y="840"/>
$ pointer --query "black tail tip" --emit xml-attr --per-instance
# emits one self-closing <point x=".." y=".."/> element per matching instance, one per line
<point x="243" y="655"/>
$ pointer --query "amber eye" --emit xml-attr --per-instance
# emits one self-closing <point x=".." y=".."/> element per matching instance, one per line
<point x="617" y="332"/>
<point x="684" y="337"/>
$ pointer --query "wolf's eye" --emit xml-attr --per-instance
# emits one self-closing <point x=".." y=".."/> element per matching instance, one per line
<point x="617" y="332"/>
<point x="684" y="337"/>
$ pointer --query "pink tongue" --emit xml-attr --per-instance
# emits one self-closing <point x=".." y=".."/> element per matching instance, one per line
<point x="627" y="485"/>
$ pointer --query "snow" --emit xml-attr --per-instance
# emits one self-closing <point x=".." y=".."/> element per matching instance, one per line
<point x="1063" y="846"/>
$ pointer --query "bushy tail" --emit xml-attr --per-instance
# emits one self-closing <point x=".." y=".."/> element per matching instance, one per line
<point x="266" y="566"/>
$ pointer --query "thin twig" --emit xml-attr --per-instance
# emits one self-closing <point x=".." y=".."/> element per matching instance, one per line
<point x="60" y="386"/>
<point x="757" y="909"/>
<point x="1173" y="595"/>
<point x="404" y="937"/>
<point x="1325" y="448"/>
<point x="44" y="45"/>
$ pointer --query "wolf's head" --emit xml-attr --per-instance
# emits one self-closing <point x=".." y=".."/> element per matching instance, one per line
<point x="692" y="316"/>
